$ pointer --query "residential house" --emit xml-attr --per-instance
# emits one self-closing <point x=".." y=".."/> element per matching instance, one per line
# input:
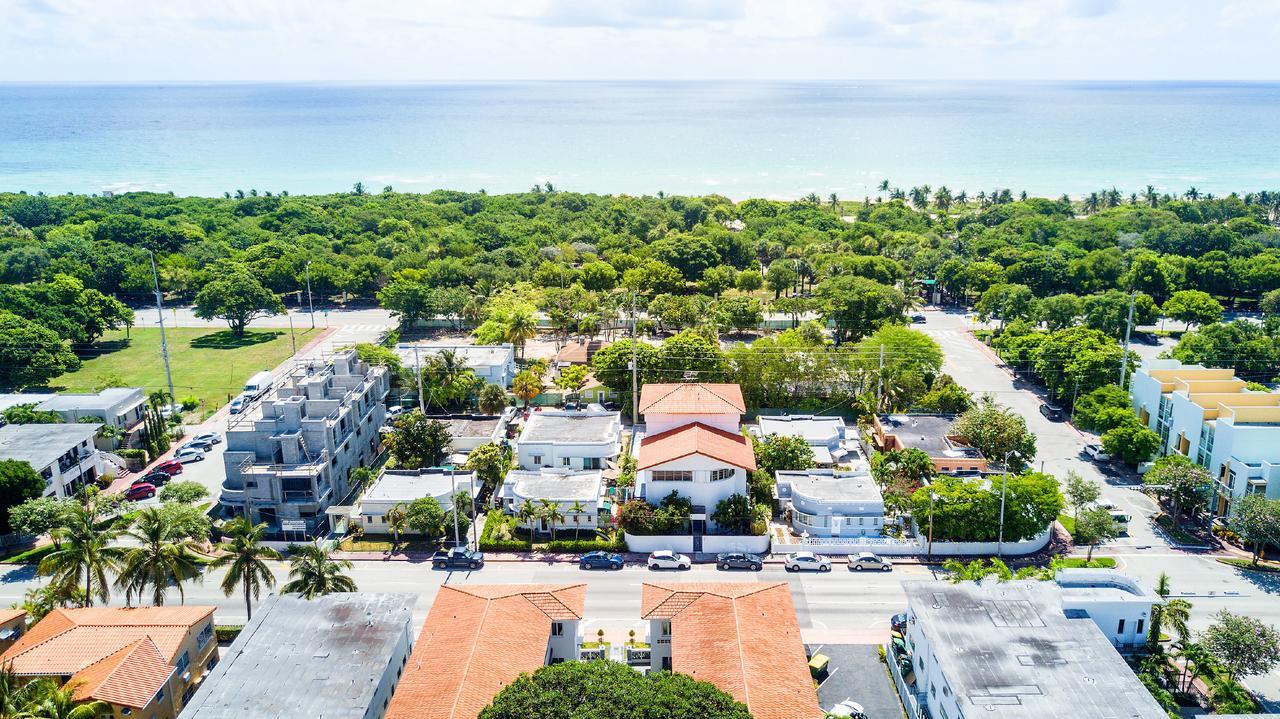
<point x="1211" y="417"/>
<point x="468" y="431"/>
<point x="1024" y="649"/>
<point x="578" y="351"/>
<point x="16" y="399"/>
<point x="478" y="638"/>
<point x="337" y="656"/>
<point x="831" y="503"/>
<point x="120" y="407"/>
<point x="569" y="439"/>
<point x="141" y="661"/>
<point x="741" y="637"/>
<point x="295" y="451"/>
<point x="828" y="437"/>
<point x="495" y="364"/>
<point x="13" y="624"/>
<point x="64" y="454"/>
<point x="931" y="434"/>
<point x="669" y="406"/>
<point x="566" y="488"/>
<point x="400" y="487"/>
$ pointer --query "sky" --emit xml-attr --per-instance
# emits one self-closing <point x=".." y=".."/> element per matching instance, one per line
<point x="405" y="41"/>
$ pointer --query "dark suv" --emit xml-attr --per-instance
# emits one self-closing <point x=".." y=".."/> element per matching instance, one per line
<point x="1052" y="412"/>
<point x="738" y="560"/>
<point x="457" y="558"/>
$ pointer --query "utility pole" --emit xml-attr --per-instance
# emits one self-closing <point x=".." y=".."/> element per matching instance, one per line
<point x="1128" y="327"/>
<point x="1004" y="483"/>
<point x="932" y="496"/>
<point x="292" y="338"/>
<point x="311" y="308"/>
<point x="164" y="346"/>
<point x="635" y="367"/>
<point x="880" y="381"/>
<point x="475" y="541"/>
<point x="422" y="406"/>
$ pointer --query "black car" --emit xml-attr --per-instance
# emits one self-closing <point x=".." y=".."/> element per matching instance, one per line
<point x="457" y="558"/>
<point x="157" y="478"/>
<point x="600" y="560"/>
<point x="918" y="319"/>
<point x="1052" y="412"/>
<point x="898" y="622"/>
<point x="1147" y="339"/>
<point x="739" y="560"/>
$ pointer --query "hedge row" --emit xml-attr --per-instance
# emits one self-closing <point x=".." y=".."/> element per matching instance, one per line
<point x="492" y="521"/>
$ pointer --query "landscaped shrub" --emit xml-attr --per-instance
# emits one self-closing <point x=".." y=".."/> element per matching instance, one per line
<point x="493" y="538"/>
<point x="131" y="453"/>
<point x="227" y="632"/>
<point x="189" y="402"/>
<point x="585" y="545"/>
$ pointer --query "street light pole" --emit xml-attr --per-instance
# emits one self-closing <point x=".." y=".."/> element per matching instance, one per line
<point x="932" y="496"/>
<point x="164" y="345"/>
<point x="1128" y="327"/>
<point x="1004" y="483"/>
<point x="311" y="308"/>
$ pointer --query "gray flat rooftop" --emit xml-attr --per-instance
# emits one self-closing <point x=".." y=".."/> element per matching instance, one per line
<point x="300" y="658"/>
<point x="40" y="445"/>
<point x="472" y="355"/>
<point x="833" y="487"/>
<point x="104" y="400"/>
<point x="1009" y="651"/>
<point x="13" y="399"/>
<point x="406" y="486"/>
<point x="582" y="485"/>
<point x="473" y="426"/>
<point x="571" y="426"/>
<point x="811" y="428"/>
<point x="926" y="432"/>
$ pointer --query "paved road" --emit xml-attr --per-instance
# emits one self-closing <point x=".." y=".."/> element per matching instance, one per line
<point x="185" y="317"/>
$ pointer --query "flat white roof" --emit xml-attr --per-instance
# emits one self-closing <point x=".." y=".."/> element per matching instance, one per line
<point x="406" y="485"/>
<point x="473" y="355"/>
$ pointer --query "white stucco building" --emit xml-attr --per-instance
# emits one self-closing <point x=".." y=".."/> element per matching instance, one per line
<point x="567" y="488"/>
<point x="495" y="364"/>
<point x="1212" y="418"/>
<point x="569" y="439"/>
<point x="831" y="503"/>
<point x="398" y="487"/>
<point x="826" y="436"/>
<point x="64" y="454"/>
<point x="1026" y="649"/>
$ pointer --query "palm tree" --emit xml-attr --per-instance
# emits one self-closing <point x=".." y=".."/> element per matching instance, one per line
<point x="18" y="695"/>
<point x="60" y="703"/>
<point x="83" y="549"/>
<point x="40" y="601"/>
<point x="550" y="511"/>
<point x="833" y="201"/>
<point x="163" y="557"/>
<point x="883" y="186"/>
<point x="396" y="518"/>
<point x="245" y="559"/>
<point x="527" y="513"/>
<point x="1192" y="193"/>
<point x="313" y="573"/>
<point x="1150" y="196"/>
<point x="521" y="326"/>
<point x="577" y="509"/>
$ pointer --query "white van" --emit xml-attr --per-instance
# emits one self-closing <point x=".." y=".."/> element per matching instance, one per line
<point x="258" y="385"/>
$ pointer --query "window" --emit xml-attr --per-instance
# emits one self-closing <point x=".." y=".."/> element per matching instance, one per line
<point x="206" y="632"/>
<point x="1120" y="627"/>
<point x="557" y="629"/>
<point x="564" y="461"/>
<point x="591" y="463"/>
<point x="725" y="473"/>
<point x="667" y="475"/>
<point x="537" y="459"/>
<point x="1139" y="627"/>
<point x="184" y="661"/>
<point x="159" y="695"/>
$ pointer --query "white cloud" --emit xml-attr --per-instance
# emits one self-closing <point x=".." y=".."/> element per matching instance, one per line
<point x="464" y="40"/>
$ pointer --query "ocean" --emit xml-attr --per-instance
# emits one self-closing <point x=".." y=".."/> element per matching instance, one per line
<point x="780" y="140"/>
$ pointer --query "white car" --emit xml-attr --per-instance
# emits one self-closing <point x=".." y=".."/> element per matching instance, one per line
<point x="189" y="454"/>
<point x="208" y="437"/>
<point x="848" y="708"/>
<point x="867" y="560"/>
<point x="666" y="559"/>
<point x="1096" y="453"/>
<point x="807" y="561"/>
<point x="238" y="404"/>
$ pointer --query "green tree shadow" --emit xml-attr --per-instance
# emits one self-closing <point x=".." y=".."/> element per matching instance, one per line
<point x="225" y="340"/>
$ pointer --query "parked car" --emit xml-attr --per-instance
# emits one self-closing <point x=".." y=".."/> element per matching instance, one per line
<point x="140" y="491"/>
<point x="396" y="411"/>
<point x="1147" y="339"/>
<point x="868" y="560"/>
<point x="189" y="454"/>
<point x="807" y="561"/>
<point x="739" y="560"/>
<point x="848" y="708"/>
<point x="457" y="558"/>
<point x="210" y="437"/>
<point x="600" y="560"/>
<point x="238" y="404"/>
<point x="159" y="479"/>
<point x="203" y="446"/>
<point x="1052" y="412"/>
<point x="898" y="622"/>
<point x="917" y="319"/>
<point x="171" y="467"/>
<point x="667" y="559"/>
<point x="1096" y="453"/>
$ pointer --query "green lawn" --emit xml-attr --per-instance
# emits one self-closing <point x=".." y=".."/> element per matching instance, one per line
<point x="207" y="363"/>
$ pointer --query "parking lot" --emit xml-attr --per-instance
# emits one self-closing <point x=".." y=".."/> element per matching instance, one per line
<point x="856" y="673"/>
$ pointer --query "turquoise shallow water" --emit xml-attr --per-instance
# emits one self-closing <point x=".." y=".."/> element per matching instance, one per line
<point x="737" y="139"/>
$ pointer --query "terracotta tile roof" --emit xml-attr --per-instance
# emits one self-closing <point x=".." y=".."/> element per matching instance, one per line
<point x="118" y="648"/>
<point x="130" y="677"/>
<point x="692" y="398"/>
<point x="8" y="615"/>
<point x="741" y="637"/>
<point x="696" y="438"/>
<point x="477" y="639"/>
<point x="579" y="352"/>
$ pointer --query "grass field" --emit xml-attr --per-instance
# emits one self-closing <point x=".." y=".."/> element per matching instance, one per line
<point x="209" y="364"/>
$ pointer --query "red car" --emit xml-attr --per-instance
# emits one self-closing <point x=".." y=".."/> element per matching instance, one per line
<point x="140" y="491"/>
<point x="170" y="467"/>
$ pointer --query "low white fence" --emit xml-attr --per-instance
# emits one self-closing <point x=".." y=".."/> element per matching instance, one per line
<point x="890" y="547"/>
<point x="711" y="543"/>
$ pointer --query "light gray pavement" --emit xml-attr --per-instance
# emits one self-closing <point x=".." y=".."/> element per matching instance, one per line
<point x="185" y="317"/>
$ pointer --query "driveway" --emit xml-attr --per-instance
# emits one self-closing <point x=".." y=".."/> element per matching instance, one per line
<point x="1059" y="445"/>
<point x="856" y="673"/>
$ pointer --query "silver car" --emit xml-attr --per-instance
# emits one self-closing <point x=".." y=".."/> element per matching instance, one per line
<point x="807" y="561"/>
<point x="868" y="561"/>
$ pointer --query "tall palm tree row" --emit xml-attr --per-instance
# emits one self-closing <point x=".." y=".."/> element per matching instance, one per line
<point x="164" y="557"/>
<point x="313" y="573"/>
<point x="550" y="511"/>
<point x="84" y="550"/>
<point x="527" y="513"/>
<point x="245" y="559"/>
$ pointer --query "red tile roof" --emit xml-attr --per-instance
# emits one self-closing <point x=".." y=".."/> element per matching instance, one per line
<point x="125" y="653"/>
<point x="692" y="398"/>
<point x="8" y="615"/>
<point x="741" y="637"/>
<point x="696" y="438"/>
<point x="579" y="352"/>
<point x="477" y="639"/>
